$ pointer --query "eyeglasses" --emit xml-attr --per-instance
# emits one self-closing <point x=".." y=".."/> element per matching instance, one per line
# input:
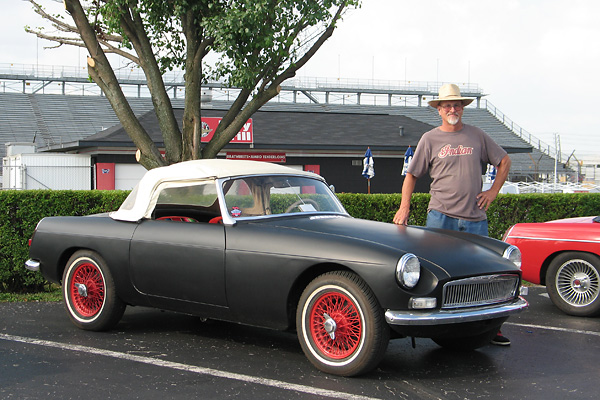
<point x="456" y="106"/>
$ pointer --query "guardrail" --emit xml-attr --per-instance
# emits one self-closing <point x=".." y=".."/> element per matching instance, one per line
<point x="547" y="187"/>
<point x="175" y="79"/>
<point x="523" y="134"/>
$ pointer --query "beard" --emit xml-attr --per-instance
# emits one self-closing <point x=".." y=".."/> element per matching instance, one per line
<point x="453" y="119"/>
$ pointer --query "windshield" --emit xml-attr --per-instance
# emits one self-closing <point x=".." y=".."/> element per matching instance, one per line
<point x="272" y="195"/>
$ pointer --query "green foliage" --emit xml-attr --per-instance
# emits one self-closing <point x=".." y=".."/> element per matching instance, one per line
<point x="248" y="34"/>
<point x="258" y="39"/>
<point x="162" y="23"/>
<point x="20" y="211"/>
<point x="53" y="293"/>
<point x="505" y="211"/>
<point x="383" y="207"/>
<point x="279" y="202"/>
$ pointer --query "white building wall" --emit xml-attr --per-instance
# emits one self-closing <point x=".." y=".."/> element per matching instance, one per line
<point x="12" y="173"/>
<point x="47" y="171"/>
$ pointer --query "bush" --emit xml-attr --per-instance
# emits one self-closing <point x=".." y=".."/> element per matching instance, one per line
<point x="20" y="211"/>
<point x="383" y="207"/>
<point x="510" y="209"/>
<point x="505" y="211"/>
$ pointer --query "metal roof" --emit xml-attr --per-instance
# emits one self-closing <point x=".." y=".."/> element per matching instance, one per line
<point x="58" y="121"/>
<point x="73" y="122"/>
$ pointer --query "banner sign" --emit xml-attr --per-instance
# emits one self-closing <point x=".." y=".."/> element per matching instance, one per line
<point x="209" y="126"/>
<point x="269" y="157"/>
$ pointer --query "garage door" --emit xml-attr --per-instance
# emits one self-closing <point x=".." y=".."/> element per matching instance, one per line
<point x="128" y="175"/>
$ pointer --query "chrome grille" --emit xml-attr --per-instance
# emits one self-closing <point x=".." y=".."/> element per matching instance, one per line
<point x="478" y="291"/>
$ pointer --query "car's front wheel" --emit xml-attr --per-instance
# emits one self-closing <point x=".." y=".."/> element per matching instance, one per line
<point x="573" y="283"/>
<point x="341" y="327"/>
<point x="89" y="292"/>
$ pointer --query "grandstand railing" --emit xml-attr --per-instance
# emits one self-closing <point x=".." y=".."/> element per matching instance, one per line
<point x="522" y="133"/>
<point x="23" y="75"/>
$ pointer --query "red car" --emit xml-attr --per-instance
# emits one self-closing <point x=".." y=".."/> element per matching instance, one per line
<point x="563" y="255"/>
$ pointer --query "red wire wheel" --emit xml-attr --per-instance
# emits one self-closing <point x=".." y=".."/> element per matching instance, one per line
<point x="335" y="309"/>
<point x="87" y="289"/>
<point x="341" y="326"/>
<point x="90" y="294"/>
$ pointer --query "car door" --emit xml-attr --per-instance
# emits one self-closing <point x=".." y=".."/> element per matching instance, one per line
<point x="176" y="260"/>
<point x="179" y="260"/>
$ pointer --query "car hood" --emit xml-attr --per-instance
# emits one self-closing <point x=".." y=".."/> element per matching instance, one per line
<point x="455" y="252"/>
<point x="583" y="229"/>
<point x="576" y="220"/>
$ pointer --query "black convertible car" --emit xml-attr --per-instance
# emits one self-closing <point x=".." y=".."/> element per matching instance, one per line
<point x="271" y="246"/>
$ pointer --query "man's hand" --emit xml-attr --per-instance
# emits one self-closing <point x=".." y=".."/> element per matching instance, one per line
<point x="401" y="217"/>
<point x="484" y="199"/>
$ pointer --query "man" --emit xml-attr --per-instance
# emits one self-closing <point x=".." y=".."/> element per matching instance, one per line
<point x="453" y="154"/>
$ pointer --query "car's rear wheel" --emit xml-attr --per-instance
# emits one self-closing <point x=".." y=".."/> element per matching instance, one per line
<point x="573" y="283"/>
<point x="467" y="342"/>
<point x="89" y="292"/>
<point x="341" y="327"/>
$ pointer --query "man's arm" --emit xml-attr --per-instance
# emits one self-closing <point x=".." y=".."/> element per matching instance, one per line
<point x="484" y="199"/>
<point x="408" y="187"/>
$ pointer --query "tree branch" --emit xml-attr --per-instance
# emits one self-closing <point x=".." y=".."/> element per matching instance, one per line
<point x="290" y="72"/>
<point x="133" y="26"/>
<point x="100" y="70"/>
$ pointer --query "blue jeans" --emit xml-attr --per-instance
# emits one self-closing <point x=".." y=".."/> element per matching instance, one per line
<point x="436" y="219"/>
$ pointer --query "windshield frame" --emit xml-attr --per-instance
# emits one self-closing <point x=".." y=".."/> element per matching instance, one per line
<point x="229" y="220"/>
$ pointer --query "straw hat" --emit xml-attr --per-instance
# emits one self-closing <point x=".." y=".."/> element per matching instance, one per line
<point x="450" y="92"/>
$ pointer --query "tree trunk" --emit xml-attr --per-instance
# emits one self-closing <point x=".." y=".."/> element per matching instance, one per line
<point x="102" y="73"/>
<point x="133" y="26"/>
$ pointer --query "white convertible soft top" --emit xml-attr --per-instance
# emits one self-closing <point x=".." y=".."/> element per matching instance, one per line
<point x="143" y="197"/>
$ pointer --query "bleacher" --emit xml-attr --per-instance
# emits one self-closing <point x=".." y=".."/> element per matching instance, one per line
<point x="17" y="122"/>
<point x="525" y="166"/>
<point x="53" y="120"/>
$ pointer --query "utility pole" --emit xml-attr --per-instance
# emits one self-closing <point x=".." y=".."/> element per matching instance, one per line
<point x="556" y="145"/>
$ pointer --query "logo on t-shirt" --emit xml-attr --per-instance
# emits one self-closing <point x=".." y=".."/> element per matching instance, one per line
<point x="447" y="150"/>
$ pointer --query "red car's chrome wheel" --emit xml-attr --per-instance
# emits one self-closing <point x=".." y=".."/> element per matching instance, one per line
<point x="87" y="289"/>
<point x="335" y="325"/>
<point x="573" y="283"/>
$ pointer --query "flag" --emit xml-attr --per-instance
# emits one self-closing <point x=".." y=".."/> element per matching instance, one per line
<point x="407" y="159"/>
<point x="369" y="165"/>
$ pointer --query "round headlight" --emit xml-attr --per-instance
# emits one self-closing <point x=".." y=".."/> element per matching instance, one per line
<point x="512" y="253"/>
<point x="408" y="271"/>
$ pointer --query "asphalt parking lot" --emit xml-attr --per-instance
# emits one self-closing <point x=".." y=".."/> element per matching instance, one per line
<point x="154" y="355"/>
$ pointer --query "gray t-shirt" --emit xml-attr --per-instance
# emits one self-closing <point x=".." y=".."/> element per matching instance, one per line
<point x="454" y="161"/>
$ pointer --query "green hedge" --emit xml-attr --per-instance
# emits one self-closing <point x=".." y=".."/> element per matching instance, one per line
<point x="21" y="210"/>
<point x="505" y="211"/>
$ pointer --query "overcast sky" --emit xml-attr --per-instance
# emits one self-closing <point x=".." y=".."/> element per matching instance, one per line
<point x="538" y="61"/>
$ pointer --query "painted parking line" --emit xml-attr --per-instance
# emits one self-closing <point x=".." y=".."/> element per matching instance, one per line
<point x="554" y="328"/>
<point x="189" y="368"/>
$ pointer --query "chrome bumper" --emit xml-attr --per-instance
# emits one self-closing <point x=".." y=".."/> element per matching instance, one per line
<point x="441" y="317"/>
<point x="32" y="265"/>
